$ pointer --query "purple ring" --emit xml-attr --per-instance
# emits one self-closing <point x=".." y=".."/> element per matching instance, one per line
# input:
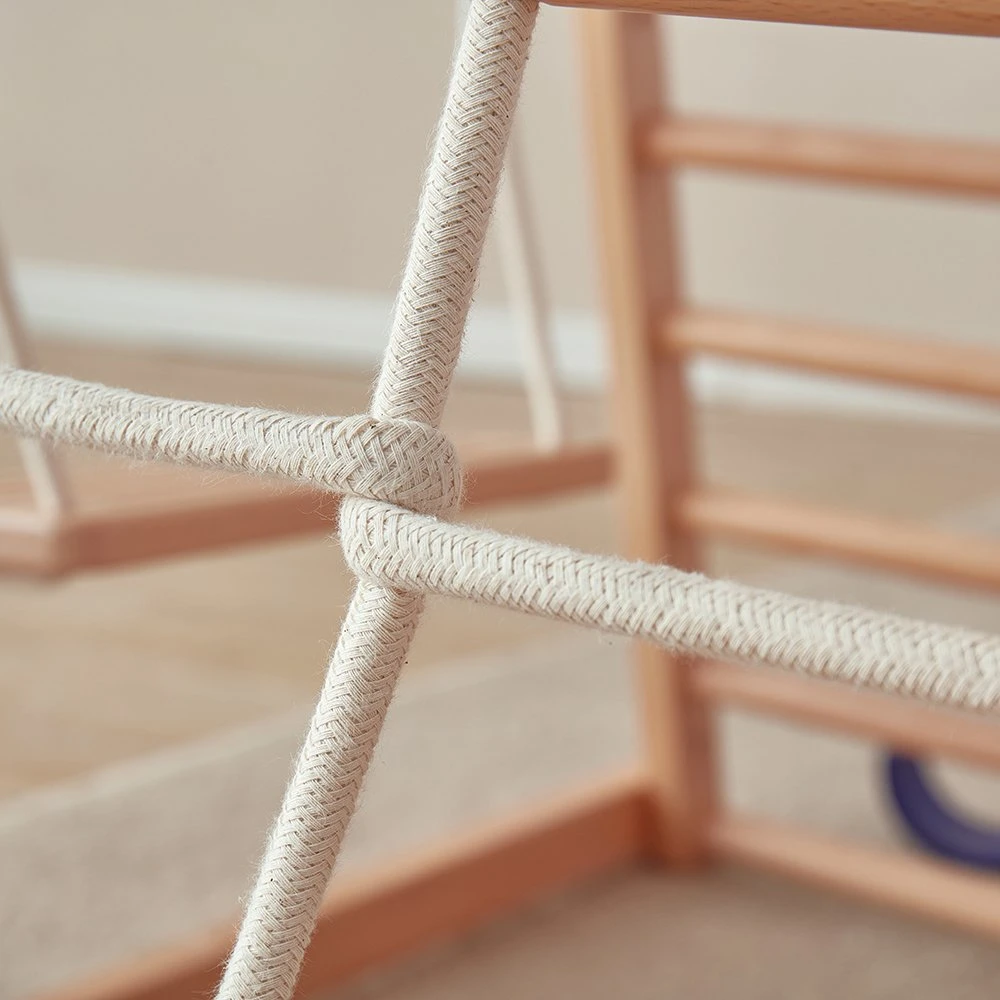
<point x="932" y="823"/>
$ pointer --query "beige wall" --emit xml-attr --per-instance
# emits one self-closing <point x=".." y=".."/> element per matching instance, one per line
<point x="284" y="142"/>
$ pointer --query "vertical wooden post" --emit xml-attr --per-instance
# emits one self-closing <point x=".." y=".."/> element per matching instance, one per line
<point x="45" y="474"/>
<point x="651" y="407"/>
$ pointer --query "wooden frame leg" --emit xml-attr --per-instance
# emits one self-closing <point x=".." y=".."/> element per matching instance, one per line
<point x="636" y="217"/>
<point x="431" y="896"/>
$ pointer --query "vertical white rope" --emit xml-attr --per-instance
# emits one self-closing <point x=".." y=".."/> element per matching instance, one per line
<point x="522" y="269"/>
<point x="521" y="260"/>
<point x="455" y="207"/>
<point x="42" y="467"/>
<point x="427" y="328"/>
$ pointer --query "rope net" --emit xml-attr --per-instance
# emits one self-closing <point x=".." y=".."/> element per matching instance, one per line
<point x="400" y="478"/>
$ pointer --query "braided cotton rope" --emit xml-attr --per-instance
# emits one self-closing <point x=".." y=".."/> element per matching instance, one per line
<point x="686" y="612"/>
<point x="396" y="468"/>
<point x="389" y="545"/>
<point x="424" y="344"/>
<point x="402" y="461"/>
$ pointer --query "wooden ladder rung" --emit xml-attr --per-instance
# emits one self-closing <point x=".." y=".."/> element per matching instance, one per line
<point x="888" y="543"/>
<point x="944" y="17"/>
<point x="901" y="723"/>
<point x="910" y="882"/>
<point x="836" y="350"/>
<point x="938" y="165"/>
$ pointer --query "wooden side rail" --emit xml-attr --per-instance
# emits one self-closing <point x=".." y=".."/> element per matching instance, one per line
<point x="944" y="17"/>
<point x="903" y="724"/>
<point x="853" y="157"/>
<point x="909" y="882"/>
<point x="435" y="895"/>
<point x="836" y="350"/>
<point x="883" y="542"/>
<point x="108" y="534"/>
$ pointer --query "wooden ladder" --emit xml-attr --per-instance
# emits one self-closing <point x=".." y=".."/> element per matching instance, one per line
<point x="638" y="144"/>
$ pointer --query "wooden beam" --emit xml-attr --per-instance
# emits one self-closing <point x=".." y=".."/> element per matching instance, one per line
<point x="943" y="17"/>
<point x="944" y="166"/>
<point x="836" y="350"/>
<point x="530" y="476"/>
<point x="651" y="406"/>
<point x="109" y="534"/>
<point x="903" y="724"/>
<point x="428" y="897"/>
<point x="915" y="884"/>
<point x="30" y="542"/>
<point x="887" y="543"/>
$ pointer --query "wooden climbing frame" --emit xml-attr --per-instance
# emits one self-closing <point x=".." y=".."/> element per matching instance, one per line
<point x="667" y="809"/>
<point x="638" y="144"/>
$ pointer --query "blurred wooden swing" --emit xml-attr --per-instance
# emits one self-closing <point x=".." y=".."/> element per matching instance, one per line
<point x="58" y="520"/>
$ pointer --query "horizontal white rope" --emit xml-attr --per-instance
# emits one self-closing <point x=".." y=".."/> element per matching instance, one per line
<point x="400" y="461"/>
<point x="685" y="612"/>
<point x="410" y="464"/>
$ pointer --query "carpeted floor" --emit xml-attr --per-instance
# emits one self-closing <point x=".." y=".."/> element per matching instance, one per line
<point x="144" y="854"/>
<point x="726" y="935"/>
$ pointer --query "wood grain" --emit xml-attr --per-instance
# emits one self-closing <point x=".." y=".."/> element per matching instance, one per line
<point x="903" y="724"/>
<point x="945" y="17"/>
<point x="836" y="350"/>
<point x="917" y="885"/>
<point x="652" y="410"/>
<point x="942" y="166"/>
<point x="868" y="540"/>
<point x="175" y="517"/>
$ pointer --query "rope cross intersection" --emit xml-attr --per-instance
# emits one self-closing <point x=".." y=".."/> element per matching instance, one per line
<point x="400" y="474"/>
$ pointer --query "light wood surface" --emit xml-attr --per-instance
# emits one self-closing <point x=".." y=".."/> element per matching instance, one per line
<point x="905" y="725"/>
<point x="651" y="405"/>
<point x="836" y="350"/>
<point x="914" y="884"/>
<point x="888" y="543"/>
<point x="945" y="17"/>
<point x="170" y="512"/>
<point x="943" y="166"/>
<point x="439" y="894"/>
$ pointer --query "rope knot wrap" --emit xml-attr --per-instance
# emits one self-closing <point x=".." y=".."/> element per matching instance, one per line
<point x="399" y="461"/>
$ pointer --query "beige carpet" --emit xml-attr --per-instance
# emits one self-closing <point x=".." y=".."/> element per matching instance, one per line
<point x="729" y="935"/>
<point x="142" y="855"/>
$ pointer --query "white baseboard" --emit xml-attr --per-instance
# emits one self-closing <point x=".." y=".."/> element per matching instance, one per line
<point x="252" y="320"/>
